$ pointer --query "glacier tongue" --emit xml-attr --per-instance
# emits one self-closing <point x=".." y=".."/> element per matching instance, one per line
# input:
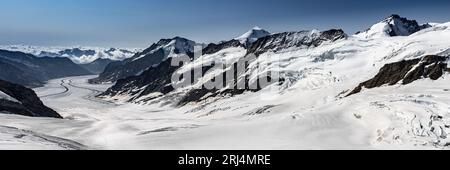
<point x="79" y="55"/>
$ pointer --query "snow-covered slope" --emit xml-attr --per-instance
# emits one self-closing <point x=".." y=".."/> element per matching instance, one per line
<point x="252" y="35"/>
<point x="154" y="55"/>
<point x="13" y="138"/>
<point x="79" y="55"/>
<point x="316" y="75"/>
<point x="393" y="26"/>
<point x="308" y="108"/>
<point x="4" y="96"/>
<point x="158" y="79"/>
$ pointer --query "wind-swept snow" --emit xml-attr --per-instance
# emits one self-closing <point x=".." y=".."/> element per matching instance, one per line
<point x="13" y="138"/>
<point x="79" y="55"/>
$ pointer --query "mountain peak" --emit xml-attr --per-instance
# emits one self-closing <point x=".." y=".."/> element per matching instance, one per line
<point x="257" y="28"/>
<point x="392" y="26"/>
<point x="252" y="35"/>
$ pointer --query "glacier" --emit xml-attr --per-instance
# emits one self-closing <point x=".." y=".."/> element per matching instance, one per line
<point x="309" y="110"/>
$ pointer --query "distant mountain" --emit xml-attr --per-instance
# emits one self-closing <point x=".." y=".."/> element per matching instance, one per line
<point x="11" y="72"/>
<point x="97" y="66"/>
<point x="79" y="55"/>
<point x="251" y="36"/>
<point x="152" y="56"/>
<point x="32" y="71"/>
<point x="16" y="99"/>
<point x="393" y="25"/>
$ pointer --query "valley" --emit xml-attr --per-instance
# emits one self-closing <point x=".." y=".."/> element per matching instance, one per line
<point x="376" y="120"/>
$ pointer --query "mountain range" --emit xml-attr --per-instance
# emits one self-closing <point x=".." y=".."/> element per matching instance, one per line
<point x="79" y="55"/>
<point x="151" y="81"/>
<point x="387" y="84"/>
<point x="32" y="71"/>
<point x="152" y="56"/>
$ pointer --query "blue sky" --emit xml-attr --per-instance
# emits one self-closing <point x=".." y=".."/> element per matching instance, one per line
<point x="139" y="23"/>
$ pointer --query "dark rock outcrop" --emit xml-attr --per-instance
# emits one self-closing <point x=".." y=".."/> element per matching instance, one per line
<point x="406" y="72"/>
<point x="287" y="40"/>
<point x="236" y="85"/>
<point x="27" y="102"/>
<point x="241" y="83"/>
<point x="158" y="78"/>
<point x="402" y="26"/>
<point x="155" y="79"/>
<point x="214" y="48"/>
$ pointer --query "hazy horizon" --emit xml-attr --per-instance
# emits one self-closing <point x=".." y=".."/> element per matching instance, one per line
<point x="138" y="24"/>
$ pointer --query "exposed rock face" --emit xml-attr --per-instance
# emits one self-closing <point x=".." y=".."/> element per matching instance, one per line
<point x="25" y="102"/>
<point x="152" y="56"/>
<point x="214" y="48"/>
<point x="402" y="26"/>
<point x="406" y="72"/>
<point x="236" y="85"/>
<point x="158" y="78"/>
<point x="241" y="82"/>
<point x="155" y="79"/>
<point x="287" y="40"/>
